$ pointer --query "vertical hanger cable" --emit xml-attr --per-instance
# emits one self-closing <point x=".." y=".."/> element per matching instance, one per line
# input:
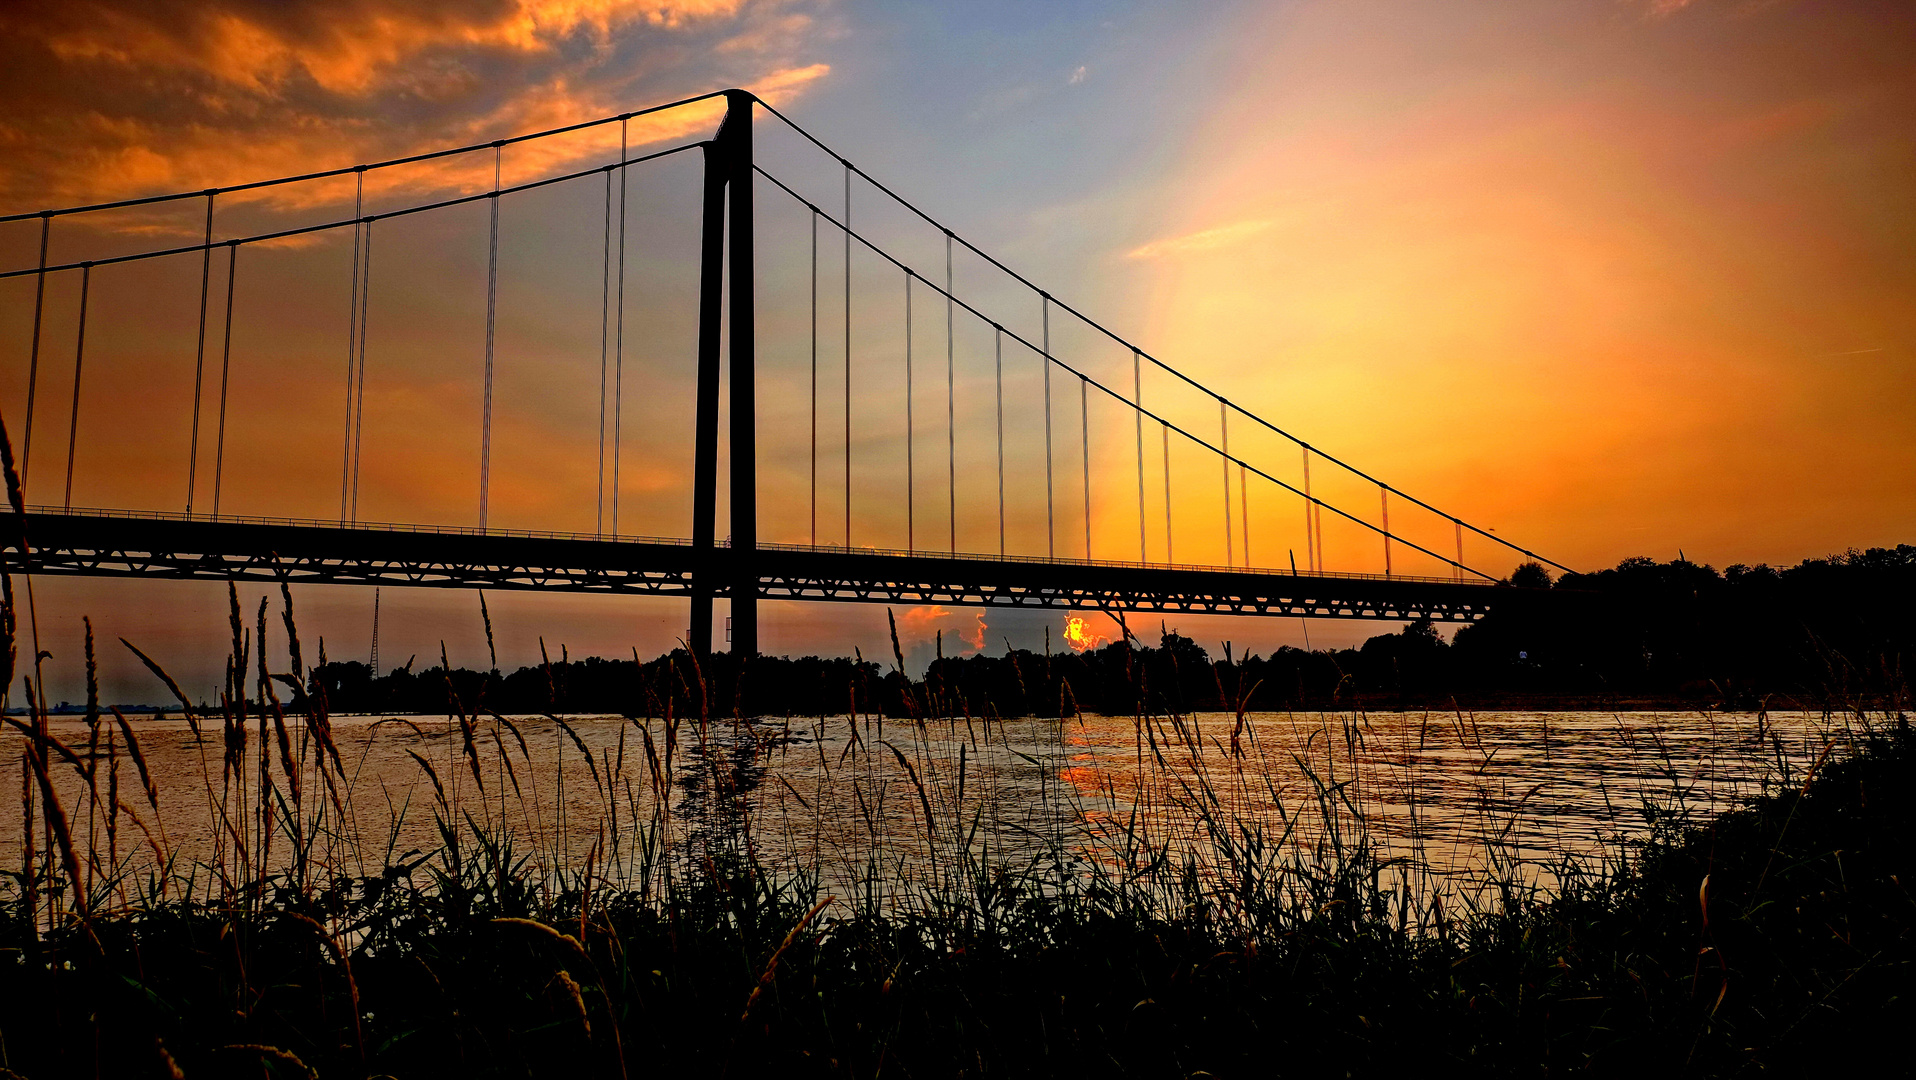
<point x="1383" y="496"/>
<point x="1050" y="511"/>
<point x="359" y="391"/>
<point x="605" y="346"/>
<point x="847" y="353"/>
<point x="951" y="413"/>
<point x="998" y="367"/>
<point x="1137" y="414"/>
<point x="1244" y="512"/>
<point x="492" y="316"/>
<point x="618" y="339"/>
<point x="1310" y="541"/>
<point x="226" y="368"/>
<point x="33" y="363"/>
<point x="814" y="391"/>
<point x="1164" y="429"/>
<point x="352" y="347"/>
<point x="79" y="356"/>
<point x="1084" y="442"/>
<point x="911" y="464"/>
<point x="199" y="358"/>
<point x="1224" y="459"/>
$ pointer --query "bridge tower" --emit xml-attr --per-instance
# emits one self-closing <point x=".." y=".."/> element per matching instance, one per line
<point x="725" y="259"/>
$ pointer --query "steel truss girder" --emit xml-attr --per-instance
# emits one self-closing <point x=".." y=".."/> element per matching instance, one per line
<point x="190" y="567"/>
<point x="102" y="546"/>
<point x="1116" y="598"/>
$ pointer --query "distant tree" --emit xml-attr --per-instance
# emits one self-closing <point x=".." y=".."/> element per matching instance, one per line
<point x="1530" y="575"/>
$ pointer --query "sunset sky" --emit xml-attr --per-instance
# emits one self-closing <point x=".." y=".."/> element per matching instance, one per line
<point x="1614" y="277"/>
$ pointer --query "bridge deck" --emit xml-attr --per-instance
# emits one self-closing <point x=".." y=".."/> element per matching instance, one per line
<point x="121" y="544"/>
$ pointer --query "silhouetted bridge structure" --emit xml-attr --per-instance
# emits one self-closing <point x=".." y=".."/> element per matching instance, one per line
<point x="178" y="547"/>
<point x="740" y="568"/>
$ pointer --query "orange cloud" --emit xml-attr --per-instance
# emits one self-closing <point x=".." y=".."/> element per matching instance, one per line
<point x="922" y="624"/>
<point x="1222" y="236"/>
<point x="259" y="53"/>
<point x="128" y="99"/>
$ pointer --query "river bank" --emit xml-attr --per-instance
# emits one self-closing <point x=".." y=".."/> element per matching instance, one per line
<point x="1774" y="937"/>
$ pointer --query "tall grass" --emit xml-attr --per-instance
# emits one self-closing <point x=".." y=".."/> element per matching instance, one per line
<point x="642" y="905"/>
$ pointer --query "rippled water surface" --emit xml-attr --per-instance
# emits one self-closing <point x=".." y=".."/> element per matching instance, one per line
<point x="1464" y="796"/>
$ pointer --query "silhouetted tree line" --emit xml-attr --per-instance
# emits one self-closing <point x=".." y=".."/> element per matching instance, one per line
<point x="1832" y="631"/>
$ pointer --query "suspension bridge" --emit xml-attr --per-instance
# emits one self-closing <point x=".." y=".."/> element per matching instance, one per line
<point x="1057" y="565"/>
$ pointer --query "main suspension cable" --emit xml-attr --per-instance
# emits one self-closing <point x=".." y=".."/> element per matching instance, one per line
<point x="1115" y="337"/>
<point x="1195" y="439"/>
<point x="325" y="174"/>
<point x="326" y="226"/>
<point x="361" y="223"/>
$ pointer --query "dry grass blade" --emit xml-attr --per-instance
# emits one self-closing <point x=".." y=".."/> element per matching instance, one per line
<point x="794" y="791"/>
<point x="16" y="498"/>
<point x="564" y="940"/>
<point x="576" y="998"/>
<point x="505" y="759"/>
<point x="159" y="851"/>
<point x="580" y="743"/>
<point x="771" y="965"/>
<point x="170" y="684"/>
<point x="924" y="800"/>
<point x="139" y="761"/>
<point x="48" y="740"/>
<point x="55" y="814"/>
<point x="433" y="775"/>
<point x="465" y="722"/>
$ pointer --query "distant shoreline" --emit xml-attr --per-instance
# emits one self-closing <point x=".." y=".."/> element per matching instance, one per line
<point x="1520" y="703"/>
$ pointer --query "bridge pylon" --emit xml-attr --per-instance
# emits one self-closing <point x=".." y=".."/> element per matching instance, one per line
<point x="725" y="260"/>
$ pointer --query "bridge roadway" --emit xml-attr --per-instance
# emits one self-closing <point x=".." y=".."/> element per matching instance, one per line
<point x="176" y="547"/>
